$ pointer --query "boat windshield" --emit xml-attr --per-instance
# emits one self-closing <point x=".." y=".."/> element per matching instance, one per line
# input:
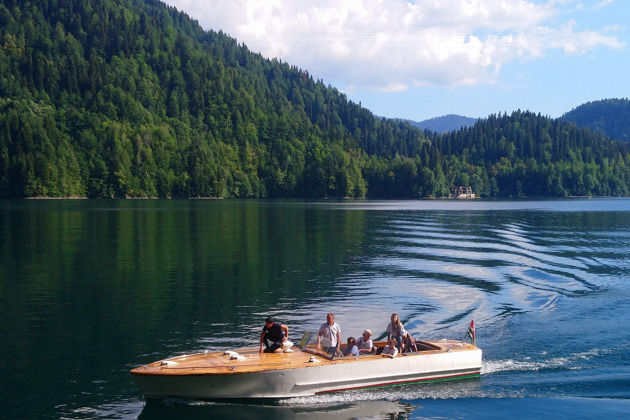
<point x="306" y="338"/>
<point x="306" y="346"/>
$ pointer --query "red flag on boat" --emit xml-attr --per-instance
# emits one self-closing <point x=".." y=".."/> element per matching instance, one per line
<point x="471" y="332"/>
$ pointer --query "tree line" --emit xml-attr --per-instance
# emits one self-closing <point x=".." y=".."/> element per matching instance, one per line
<point x="609" y="117"/>
<point x="129" y="98"/>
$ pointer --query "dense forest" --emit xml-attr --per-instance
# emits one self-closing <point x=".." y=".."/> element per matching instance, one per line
<point x="445" y="123"/>
<point x="608" y="117"/>
<point x="131" y="98"/>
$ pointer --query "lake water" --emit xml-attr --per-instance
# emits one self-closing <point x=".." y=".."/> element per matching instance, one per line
<point x="91" y="289"/>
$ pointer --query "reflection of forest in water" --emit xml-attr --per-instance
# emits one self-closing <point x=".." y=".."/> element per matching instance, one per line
<point x="172" y="262"/>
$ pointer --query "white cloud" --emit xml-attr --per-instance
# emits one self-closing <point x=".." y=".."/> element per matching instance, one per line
<point x="394" y="87"/>
<point x="391" y="45"/>
<point x="603" y="4"/>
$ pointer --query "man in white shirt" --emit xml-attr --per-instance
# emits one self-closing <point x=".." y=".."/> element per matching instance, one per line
<point x="329" y="336"/>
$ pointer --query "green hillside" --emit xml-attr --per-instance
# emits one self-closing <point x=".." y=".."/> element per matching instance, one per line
<point x="526" y="154"/>
<point x="131" y="98"/>
<point x="445" y="123"/>
<point x="609" y="117"/>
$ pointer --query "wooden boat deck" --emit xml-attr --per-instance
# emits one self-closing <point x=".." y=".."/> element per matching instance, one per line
<point x="250" y="360"/>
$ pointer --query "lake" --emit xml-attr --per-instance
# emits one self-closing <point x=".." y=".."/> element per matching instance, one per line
<point x="91" y="289"/>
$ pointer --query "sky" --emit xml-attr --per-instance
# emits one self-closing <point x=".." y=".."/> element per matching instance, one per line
<point x="427" y="58"/>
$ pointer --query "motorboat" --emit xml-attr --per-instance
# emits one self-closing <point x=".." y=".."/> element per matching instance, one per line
<point x="305" y="371"/>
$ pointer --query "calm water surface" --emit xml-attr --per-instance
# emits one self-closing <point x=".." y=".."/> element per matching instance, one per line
<point x="91" y="289"/>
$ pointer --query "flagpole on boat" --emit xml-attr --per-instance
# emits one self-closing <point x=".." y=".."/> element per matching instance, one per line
<point x="471" y="333"/>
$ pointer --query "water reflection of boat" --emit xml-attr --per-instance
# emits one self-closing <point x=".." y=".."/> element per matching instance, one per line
<point x="304" y="372"/>
<point x="350" y="410"/>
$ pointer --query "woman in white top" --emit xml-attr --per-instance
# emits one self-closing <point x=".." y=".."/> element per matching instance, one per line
<point x="396" y="330"/>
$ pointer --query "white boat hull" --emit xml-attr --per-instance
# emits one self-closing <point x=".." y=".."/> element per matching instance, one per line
<point x="298" y="374"/>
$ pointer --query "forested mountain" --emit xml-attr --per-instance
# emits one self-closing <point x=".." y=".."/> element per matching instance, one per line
<point x="131" y="98"/>
<point x="105" y="98"/>
<point x="445" y="123"/>
<point x="609" y="117"/>
<point x="528" y="154"/>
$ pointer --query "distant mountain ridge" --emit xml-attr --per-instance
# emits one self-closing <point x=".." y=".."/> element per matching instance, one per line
<point x="608" y="117"/>
<point x="445" y="123"/>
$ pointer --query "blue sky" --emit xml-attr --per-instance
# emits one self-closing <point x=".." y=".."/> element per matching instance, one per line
<point x="426" y="58"/>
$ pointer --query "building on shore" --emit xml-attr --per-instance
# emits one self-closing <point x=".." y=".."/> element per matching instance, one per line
<point x="462" y="192"/>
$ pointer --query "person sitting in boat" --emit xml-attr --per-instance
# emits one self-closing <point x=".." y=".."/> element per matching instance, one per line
<point x="364" y="343"/>
<point x="391" y="349"/>
<point x="409" y="344"/>
<point x="396" y="330"/>
<point x="329" y="336"/>
<point x="351" y="348"/>
<point x="274" y="333"/>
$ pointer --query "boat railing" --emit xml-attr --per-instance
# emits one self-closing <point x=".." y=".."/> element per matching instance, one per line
<point x="306" y="346"/>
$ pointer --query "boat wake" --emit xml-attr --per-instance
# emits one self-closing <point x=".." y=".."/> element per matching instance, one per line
<point x="575" y="361"/>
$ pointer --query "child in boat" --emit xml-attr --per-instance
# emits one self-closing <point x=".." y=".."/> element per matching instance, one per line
<point x="364" y="343"/>
<point x="409" y="344"/>
<point x="390" y="349"/>
<point x="351" y="348"/>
